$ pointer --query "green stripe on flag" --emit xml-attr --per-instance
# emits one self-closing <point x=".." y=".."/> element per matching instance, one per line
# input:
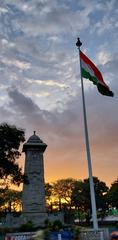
<point x="86" y="74"/>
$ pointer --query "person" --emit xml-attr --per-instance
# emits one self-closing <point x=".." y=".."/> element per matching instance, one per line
<point x="114" y="235"/>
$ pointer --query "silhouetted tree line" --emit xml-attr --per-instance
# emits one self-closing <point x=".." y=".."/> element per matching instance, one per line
<point x="70" y="196"/>
<point x="73" y="196"/>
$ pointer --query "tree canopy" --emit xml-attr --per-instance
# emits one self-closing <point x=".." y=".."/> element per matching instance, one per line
<point x="113" y="194"/>
<point x="81" y="195"/>
<point x="10" y="140"/>
<point x="62" y="189"/>
<point x="10" y="200"/>
<point x="73" y="196"/>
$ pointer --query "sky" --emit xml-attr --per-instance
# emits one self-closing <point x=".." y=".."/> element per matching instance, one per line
<point x="40" y="86"/>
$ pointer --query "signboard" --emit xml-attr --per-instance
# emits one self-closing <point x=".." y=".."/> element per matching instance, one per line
<point x="20" y="236"/>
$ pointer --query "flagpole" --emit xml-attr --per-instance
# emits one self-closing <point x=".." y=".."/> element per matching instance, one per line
<point x="92" y="191"/>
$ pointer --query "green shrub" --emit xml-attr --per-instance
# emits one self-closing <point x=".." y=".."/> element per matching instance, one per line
<point x="48" y="223"/>
<point x="6" y="230"/>
<point x="29" y="226"/>
<point x="76" y="231"/>
<point x="57" y="225"/>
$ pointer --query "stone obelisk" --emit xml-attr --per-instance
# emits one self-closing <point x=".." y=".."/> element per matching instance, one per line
<point x="33" y="198"/>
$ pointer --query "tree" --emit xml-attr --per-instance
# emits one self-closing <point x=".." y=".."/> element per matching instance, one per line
<point x="113" y="194"/>
<point x="81" y="196"/>
<point x="101" y="191"/>
<point x="62" y="190"/>
<point x="78" y="195"/>
<point x="48" y="195"/>
<point x="10" y="200"/>
<point x="81" y="199"/>
<point x="10" y="140"/>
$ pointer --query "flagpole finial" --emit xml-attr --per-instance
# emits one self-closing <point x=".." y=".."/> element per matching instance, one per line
<point x="78" y="43"/>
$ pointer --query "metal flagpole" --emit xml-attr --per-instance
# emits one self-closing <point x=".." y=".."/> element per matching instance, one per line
<point x="92" y="192"/>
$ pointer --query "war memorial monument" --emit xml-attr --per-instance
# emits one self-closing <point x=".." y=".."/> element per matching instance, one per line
<point x="33" y="197"/>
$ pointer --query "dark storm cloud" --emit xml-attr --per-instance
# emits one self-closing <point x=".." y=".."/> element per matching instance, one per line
<point x="22" y="103"/>
<point x="26" y="109"/>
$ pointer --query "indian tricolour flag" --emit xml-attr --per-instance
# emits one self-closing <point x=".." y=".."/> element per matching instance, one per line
<point x="90" y="71"/>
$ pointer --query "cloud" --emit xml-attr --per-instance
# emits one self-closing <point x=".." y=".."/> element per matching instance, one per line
<point x="27" y="113"/>
<point x="48" y="83"/>
<point x="14" y="62"/>
<point x="63" y="132"/>
<point x="103" y="57"/>
<point x="107" y="23"/>
<point x="64" y="125"/>
<point x="53" y="18"/>
<point x="3" y="10"/>
<point x="6" y="114"/>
